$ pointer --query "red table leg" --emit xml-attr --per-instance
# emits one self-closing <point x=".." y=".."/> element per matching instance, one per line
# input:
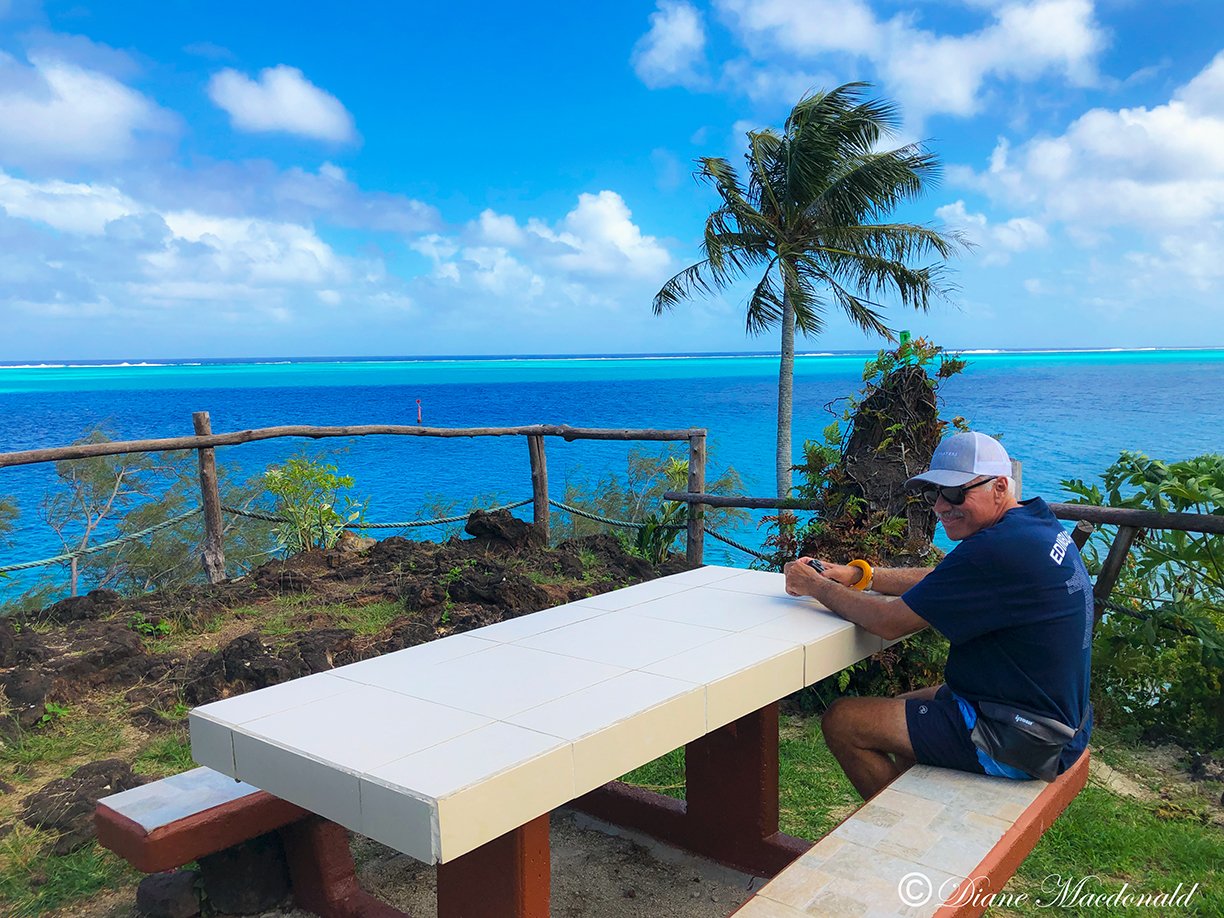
<point x="730" y="811"/>
<point x="505" y="878"/>
<point x="322" y="874"/>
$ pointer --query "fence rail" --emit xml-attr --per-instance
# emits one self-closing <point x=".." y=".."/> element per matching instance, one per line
<point x="205" y="442"/>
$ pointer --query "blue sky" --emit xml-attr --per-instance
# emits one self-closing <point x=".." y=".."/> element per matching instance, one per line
<point x="222" y="179"/>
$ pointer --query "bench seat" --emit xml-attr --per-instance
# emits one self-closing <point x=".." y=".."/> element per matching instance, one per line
<point x="174" y="821"/>
<point x="944" y="840"/>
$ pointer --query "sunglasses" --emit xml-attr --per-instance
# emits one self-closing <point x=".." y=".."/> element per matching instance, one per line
<point x="954" y="495"/>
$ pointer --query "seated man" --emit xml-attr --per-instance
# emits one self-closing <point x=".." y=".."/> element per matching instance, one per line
<point x="1014" y="600"/>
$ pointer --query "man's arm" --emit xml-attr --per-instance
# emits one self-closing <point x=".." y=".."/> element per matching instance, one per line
<point x="886" y="618"/>
<point x="891" y="581"/>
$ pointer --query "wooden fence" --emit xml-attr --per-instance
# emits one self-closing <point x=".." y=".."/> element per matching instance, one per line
<point x="205" y="442"/>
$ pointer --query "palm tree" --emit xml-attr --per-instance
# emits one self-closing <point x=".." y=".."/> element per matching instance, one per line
<point x="809" y="216"/>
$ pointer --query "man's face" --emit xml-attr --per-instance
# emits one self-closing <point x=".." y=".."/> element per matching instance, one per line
<point x="982" y="508"/>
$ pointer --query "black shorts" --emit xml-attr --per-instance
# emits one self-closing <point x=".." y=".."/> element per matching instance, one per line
<point x="938" y="733"/>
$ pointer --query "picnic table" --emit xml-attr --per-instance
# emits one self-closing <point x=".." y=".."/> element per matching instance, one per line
<point x="455" y="751"/>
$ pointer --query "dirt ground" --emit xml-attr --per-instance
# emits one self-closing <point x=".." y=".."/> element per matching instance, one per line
<point x="594" y="875"/>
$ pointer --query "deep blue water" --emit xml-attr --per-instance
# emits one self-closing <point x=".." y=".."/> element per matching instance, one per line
<point x="1063" y="414"/>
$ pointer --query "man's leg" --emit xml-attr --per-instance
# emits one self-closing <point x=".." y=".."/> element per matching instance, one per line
<point x="863" y="734"/>
<point x="904" y="762"/>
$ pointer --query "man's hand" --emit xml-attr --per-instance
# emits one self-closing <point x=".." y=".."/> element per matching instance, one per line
<point x="887" y="617"/>
<point x="802" y="579"/>
<point x="841" y="573"/>
<point x="801" y="582"/>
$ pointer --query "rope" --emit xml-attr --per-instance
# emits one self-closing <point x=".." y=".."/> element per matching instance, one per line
<point x="103" y="546"/>
<point x="611" y="522"/>
<point x="269" y="518"/>
<point x="434" y="522"/>
<point x="404" y="525"/>
<point x="734" y="544"/>
<point x="604" y="519"/>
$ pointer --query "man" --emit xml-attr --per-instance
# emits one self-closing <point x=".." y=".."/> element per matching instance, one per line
<point x="1014" y="600"/>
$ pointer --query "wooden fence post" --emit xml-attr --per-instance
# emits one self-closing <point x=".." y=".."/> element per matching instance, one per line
<point x="539" y="484"/>
<point x="213" y="554"/>
<point x="1017" y="477"/>
<point x="1113" y="566"/>
<point x="696" y="512"/>
<point x="1082" y="533"/>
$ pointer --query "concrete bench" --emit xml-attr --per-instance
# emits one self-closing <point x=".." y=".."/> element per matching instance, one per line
<point x="935" y="842"/>
<point x="179" y="819"/>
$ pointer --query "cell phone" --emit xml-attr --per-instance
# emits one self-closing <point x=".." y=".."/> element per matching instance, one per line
<point x="812" y="562"/>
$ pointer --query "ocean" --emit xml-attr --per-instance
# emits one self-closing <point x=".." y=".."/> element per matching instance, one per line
<point x="1065" y="414"/>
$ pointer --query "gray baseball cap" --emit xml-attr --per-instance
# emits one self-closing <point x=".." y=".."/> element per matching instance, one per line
<point x="963" y="457"/>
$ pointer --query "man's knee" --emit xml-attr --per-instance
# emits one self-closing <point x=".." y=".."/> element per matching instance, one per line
<point x="839" y="720"/>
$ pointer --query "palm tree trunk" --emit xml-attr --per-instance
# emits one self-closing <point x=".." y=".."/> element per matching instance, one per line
<point x="786" y="389"/>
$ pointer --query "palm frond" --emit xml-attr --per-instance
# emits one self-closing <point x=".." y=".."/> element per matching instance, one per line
<point x="681" y="286"/>
<point x="869" y="186"/>
<point x="764" y="304"/>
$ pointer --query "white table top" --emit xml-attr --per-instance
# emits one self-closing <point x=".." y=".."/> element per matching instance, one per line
<point x="439" y="748"/>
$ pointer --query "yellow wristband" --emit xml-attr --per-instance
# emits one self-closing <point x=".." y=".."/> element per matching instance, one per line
<point x="864" y="582"/>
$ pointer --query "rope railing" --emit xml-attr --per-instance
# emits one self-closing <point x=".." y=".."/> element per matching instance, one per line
<point x="101" y="546"/>
<point x="205" y="443"/>
<point x="408" y="524"/>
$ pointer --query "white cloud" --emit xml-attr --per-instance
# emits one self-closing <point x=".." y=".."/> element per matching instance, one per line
<point x="281" y="100"/>
<point x="927" y="72"/>
<point x="73" y="246"/>
<point x="996" y="242"/>
<point x="594" y="257"/>
<point x="1147" y="169"/>
<point x="57" y="112"/>
<point x="73" y="207"/>
<point x="672" y="53"/>
<point x="500" y="229"/>
<point x="600" y="238"/>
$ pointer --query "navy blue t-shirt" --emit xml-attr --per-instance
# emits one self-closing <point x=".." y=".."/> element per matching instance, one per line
<point x="1015" y="602"/>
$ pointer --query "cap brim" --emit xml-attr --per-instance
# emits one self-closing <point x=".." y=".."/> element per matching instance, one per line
<point x="944" y="478"/>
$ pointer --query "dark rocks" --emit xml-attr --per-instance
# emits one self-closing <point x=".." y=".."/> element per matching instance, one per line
<point x="169" y="895"/>
<point x="149" y="719"/>
<point x="21" y="646"/>
<point x="251" y="877"/>
<point x="286" y="580"/>
<point x="95" y="654"/>
<point x="502" y="531"/>
<point x="27" y="694"/>
<point x="422" y="592"/>
<point x="67" y="804"/>
<point x="93" y="605"/>
<point x="325" y="649"/>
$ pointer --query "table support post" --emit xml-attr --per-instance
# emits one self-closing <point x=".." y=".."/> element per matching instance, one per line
<point x="322" y="873"/>
<point x="730" y="813"/>
<point x="505" y="878"/>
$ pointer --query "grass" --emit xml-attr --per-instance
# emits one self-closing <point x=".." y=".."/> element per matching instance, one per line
<point x="1116" y="840"/>
<point x="75" y="734"/>
<point x="32" y="882"/>
<point x="284" y="615"/>
<point x="168" y="755"/>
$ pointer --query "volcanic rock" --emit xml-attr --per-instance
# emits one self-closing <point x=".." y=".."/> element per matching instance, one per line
<point x="67" y="804"/>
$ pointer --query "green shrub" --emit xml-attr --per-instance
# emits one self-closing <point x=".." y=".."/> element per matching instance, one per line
<point x="308" y="496"/>
<point x="1158" y="651"/>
